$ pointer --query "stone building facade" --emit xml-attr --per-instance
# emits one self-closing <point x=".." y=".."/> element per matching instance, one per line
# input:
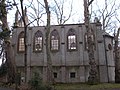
<point x="68" y="52"/>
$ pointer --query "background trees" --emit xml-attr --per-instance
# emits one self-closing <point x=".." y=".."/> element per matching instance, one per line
<point x="107" y="11"/>
<point x="117" y="57"/>
<point x="59" y="11"/>
<point x="108" y="15"/>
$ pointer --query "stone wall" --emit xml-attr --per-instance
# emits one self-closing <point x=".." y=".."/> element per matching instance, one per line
<point x="70" y="66"/>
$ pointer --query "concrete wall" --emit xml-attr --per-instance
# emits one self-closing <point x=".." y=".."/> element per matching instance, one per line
<point x="65" y="62"/>
<point x="110" y="58"/>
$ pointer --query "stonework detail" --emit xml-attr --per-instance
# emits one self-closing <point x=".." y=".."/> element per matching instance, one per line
<point x="69" y="66"/>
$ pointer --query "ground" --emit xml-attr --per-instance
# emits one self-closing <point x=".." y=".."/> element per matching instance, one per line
<point x="103" y="86"/>
<point x="6" y="89"/>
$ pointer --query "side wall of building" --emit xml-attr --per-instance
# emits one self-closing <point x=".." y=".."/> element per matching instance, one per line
<point x="65" y="62"/>
<point x="110" y="58"/>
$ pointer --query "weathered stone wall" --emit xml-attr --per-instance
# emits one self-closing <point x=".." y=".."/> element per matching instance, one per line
<point x="65" y="62"/>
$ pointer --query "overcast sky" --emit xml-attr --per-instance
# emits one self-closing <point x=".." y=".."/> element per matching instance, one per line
<point x="77" y="12"/>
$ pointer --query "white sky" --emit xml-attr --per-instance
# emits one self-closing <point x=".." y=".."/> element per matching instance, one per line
<point x="77" y="15"/>
<point x="77" y="11"/>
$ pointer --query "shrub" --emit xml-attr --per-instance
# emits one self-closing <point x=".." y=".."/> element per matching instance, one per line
<point x="37" y="84"/>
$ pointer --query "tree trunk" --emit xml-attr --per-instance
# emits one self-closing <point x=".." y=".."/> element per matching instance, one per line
<point x="49" y="62"/>
<point x="92" y="79"/>
<point x="25" y="40"/>
<point x="117" y="58"/>
<point x="11" y="66"/>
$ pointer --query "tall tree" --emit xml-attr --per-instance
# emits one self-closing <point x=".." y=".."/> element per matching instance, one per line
<point x="10" y="61"/>
<point x="25" y="38"/>
<point x="117" y="57"/>
<point x="49" y="61"/>
<point x="93" y="77"/>
<point x="25" y="25"/>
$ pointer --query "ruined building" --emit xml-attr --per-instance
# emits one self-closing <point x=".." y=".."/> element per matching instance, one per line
<point x="68" y="45"/>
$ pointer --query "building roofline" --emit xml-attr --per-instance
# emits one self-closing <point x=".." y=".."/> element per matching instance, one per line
<point x="107" y="35"/>
<point x="80" y="24"/>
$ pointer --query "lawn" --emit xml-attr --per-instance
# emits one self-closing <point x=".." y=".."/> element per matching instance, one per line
<point x="84" y="86"/>
<point x="103" y="86"/>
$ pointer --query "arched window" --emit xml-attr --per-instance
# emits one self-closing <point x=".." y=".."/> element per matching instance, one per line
<point x="38" y="40"/>
<point x="71" y="40"/>
<point x="21" y="45"/>
<point x="86" y="40"/>
<point x="54" y="40"/>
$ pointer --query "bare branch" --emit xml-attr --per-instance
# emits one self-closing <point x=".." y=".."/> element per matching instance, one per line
<point x="117" y="18"/>
<point x="107" y="13"/>
<point x="35" y="19"/>
<point x="30" y="3"/>
<point x="36" y="11"/>
<point x="69" y="13"/>
<point x="90" y="2"/>
<point x="59" y="11"/>
<point x="40" y="3"/>
<point x="17" y="8"/>
<point x="1" y="52"/>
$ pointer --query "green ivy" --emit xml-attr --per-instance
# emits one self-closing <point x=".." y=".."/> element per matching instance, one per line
<point x="4" y="34"/>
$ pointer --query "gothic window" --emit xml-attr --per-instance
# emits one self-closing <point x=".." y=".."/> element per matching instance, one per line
<point x="38" y="39"/>
<point x="21" y="46"/>
<point x="71" y="40"/>
<point x="86" y="40"/>
<point x="54" y="40"/>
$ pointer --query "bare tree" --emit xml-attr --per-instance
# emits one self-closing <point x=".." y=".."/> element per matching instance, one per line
<point x="59" y="10"/>
<point x="37" y="11"/>
<point x="93" y="77"/>
<point x="117" y="57"/>
<point x="106" y="14"/>
<point x="25" y="24"/>
<point x="109" y="18"/>
<point x="10" y="61"/>
<point x="25" y="39"/>
<point x="49" y="62"/>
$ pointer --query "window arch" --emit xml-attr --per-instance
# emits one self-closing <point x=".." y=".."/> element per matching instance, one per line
<point x="21" y="45"/>
<point x="71" y="40"/>
<point x="54" y="43"/>
<point x="86" y="40"/>
<point x="38" y="41"/>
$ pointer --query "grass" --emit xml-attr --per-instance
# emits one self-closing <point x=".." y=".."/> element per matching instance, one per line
<point x="103" y="86"/>
<point x="84" y="86"/>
